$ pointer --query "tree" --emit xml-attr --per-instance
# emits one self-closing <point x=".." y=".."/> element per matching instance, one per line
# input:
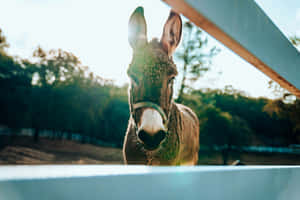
<point x="55" y="67"/>
<point x="223" y="130"/>
<point x="3" y="42"/>
<point x="289" y="112"/>
<point x="15" y="85"/>
<point x="279" y="91"/>
<point x="195" y="58"/>
<point x="287" y="106"/>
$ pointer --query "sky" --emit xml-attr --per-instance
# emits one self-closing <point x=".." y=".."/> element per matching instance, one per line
<point x="96" y="32"/>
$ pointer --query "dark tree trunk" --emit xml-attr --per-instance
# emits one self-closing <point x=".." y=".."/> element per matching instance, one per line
<point x="13" y="134"/>
<point x="36" y="135"/>
<point x="59" y="135"/>
<point x="83" y="139"/>
<point x="69" y="137"/>
<point x="225" y="156"/>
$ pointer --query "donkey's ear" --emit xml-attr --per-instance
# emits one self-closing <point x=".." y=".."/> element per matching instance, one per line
<point x="171" y="33"/>
<point x="137" y="28"/>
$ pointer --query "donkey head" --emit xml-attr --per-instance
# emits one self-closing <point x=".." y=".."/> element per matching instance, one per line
<point x="152" y="72"/>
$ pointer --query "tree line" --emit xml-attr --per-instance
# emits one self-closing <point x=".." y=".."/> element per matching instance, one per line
<point x="55" y="91"/>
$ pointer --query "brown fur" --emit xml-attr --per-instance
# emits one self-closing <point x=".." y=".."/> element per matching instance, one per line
<point x="184" y="141"/>
<point x="151" y="72"/>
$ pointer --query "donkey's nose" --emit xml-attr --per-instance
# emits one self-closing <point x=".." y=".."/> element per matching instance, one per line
<point x="151" y="141"/>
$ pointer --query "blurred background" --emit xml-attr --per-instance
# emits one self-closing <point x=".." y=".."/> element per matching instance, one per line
<point x="63" y="85"/>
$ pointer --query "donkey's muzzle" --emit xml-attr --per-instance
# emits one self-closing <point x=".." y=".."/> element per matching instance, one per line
<point x="151" y="141"/>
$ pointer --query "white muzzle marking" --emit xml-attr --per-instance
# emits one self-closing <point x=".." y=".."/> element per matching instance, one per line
<point x="151" y="121"/>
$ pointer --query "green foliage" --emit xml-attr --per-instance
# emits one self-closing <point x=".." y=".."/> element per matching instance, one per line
<point x="229" y="118"/>
<point x="3" y="43"/>
<point x="15" y="85"/>
<point x="218" y="127"/>
<point x="56" y="92"/>
<point x="287" y="107"/>
<point x="193" y="54"/>
<point x="288" y="112"/>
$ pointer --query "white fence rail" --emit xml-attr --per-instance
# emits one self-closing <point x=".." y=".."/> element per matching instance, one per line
<point x="148" y="183"/>
<point x="244" y="28"/>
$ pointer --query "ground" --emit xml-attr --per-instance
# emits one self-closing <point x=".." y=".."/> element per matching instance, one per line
<point x="24" y="151"/>
<point x="47" y="151"/>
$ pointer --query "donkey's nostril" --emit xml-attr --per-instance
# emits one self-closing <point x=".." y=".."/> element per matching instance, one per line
<point x="151" y="142"/>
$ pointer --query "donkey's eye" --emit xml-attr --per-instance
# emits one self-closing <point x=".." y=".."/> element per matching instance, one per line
<point x="171" y="80"/>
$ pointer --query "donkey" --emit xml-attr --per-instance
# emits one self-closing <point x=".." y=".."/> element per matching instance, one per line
<point x="160" y="132"/>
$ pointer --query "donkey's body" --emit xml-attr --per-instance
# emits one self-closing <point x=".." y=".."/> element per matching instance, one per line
<point x="160" y="132"/>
